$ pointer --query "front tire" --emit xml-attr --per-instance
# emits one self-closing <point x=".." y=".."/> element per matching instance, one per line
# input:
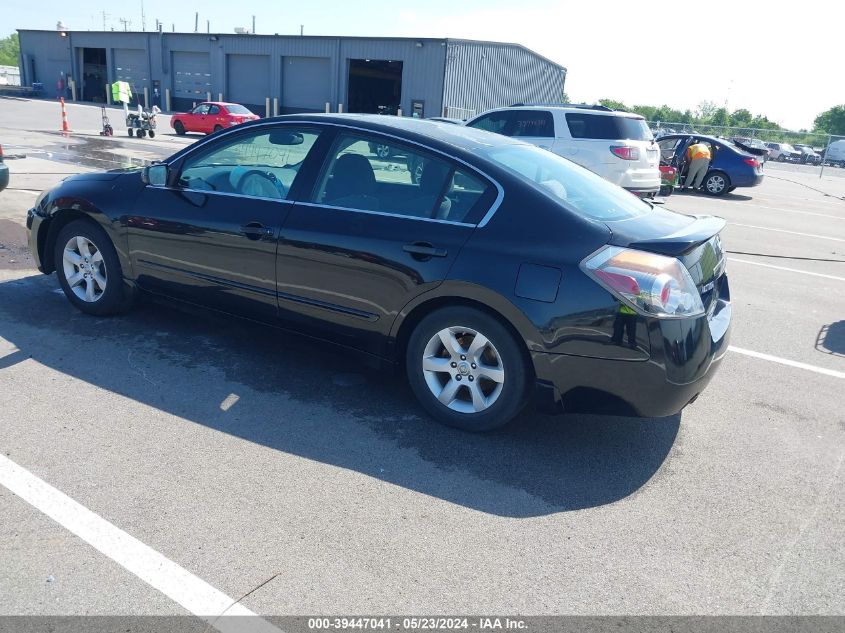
<point x="179" y="127"/>
<point x="88" y="269"/>
<point x="716" y="183"/>
<point x="466" y="369"/>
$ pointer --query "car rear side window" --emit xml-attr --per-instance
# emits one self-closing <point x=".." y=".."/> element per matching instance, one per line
<point x="607" y="127"/>
<point x="213" y="109"/>
<point x="368" y="174"/>
<point x="533" y="123"/>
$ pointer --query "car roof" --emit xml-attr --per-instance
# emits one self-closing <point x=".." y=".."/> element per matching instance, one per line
<point x="567" y="109"/>
<point x="420" y="130"/>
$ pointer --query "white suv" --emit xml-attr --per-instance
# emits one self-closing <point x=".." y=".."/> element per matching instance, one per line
<point x="618" y="146"/>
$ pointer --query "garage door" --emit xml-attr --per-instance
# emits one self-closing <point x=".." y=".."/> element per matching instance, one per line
<point x="306" y="84"/>
<point x="130" y="65"/>
<point x="191" y="76"/>
<point x="248" y="80"/>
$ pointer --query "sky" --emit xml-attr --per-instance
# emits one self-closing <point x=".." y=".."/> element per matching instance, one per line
<point x="781" y="59"/>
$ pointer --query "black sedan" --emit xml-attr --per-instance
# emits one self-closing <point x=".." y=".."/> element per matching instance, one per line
<point x="504" y="272"/>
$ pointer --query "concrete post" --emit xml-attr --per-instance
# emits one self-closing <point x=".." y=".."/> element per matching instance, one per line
<point x="340" y="108"/>
<point x="208" y="96"/>
<point x="275" y="106"/>
<point x="328" y="107"/>
<point x="108" y="94"/>
<point x="267" y="107"/>
<point x="220" y="96"/>
<point x="398" y="111"/>
<point x="146" y="97"/>
<point x="167" y="99"/>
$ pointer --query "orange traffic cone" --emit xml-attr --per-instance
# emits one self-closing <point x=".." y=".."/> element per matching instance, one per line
<point x="65" y="126"/>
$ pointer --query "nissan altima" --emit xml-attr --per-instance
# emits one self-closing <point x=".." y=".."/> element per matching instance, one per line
<point x="500" y="274"/>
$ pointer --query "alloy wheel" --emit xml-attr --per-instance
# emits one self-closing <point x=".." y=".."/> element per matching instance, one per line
<point x="463" y="369"/>
<point x="84" y="269"/>
<point x="715" y="184"/>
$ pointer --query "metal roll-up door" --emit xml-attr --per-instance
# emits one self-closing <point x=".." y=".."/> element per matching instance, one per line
<point x="191" y="78"/>
<point x="130" y="65"/>
<point x="306" y="84"/>
<point x="248" y="80"/>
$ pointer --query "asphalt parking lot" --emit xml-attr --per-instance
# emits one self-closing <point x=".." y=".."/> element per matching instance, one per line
<point x="222" y="462"/>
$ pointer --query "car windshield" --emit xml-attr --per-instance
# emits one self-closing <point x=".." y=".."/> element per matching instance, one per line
<point x="577" y="188"/>
<point x="237" y="109"/>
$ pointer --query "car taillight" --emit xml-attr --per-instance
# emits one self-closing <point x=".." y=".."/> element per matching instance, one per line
<point x="653" y="285"/>
<point x="626" y="152"/>
<point x="751" y="161"/>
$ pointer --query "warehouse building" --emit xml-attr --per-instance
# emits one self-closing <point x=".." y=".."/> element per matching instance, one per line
<point x="424" y="77"/>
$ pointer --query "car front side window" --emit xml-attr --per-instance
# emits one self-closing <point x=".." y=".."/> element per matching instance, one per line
<point x="498" y="122"/>
<point x="260" y="164"/>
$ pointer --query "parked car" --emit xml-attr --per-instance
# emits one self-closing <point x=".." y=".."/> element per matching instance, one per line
<point x="4" y="172"/>
<point x="618" y="146"/>
<point x="506" y="271"/>
<point x="809" y="156"/>
<point x="210" y="117"/>
<point x="730" y="166"/>
<point x="835" y="154"/>
<point x="753" y="146"/>
<point x="783" y="153"/>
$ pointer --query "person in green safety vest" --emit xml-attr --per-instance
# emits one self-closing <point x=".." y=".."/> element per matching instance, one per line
<point x="625" y="321"/>
<point x="121" y="92"/>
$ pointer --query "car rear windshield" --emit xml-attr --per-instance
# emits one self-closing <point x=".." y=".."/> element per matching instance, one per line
<point x="237" y="109"/>
<point x="608" y="127"/>
<point x="576" y="188"/>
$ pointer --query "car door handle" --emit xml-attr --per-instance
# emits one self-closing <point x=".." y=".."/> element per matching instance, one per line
<point x="255" y="231"/>
<point x="423" y="251"/>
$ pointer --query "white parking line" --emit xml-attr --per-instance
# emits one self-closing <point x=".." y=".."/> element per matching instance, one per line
<point x="786" y="361"/>
<point x="792" y="270"/>
<point x="761" y="206"/>
<point x="177" y="583"/>
<point x="766" y="228"/>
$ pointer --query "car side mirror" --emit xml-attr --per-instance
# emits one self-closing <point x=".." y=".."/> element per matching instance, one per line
<point x="155" y="175"/>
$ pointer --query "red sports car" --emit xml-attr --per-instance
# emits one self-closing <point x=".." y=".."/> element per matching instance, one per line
<point x="211" y="116"/>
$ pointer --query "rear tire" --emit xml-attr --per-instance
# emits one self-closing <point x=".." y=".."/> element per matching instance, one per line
<point x="716" y="183"/>
<point x="474" y="384"/>
<point x="179" y="127"/>
<point x="217" y="128"/>
<point x="131" y="132"/>
<point x="88" y="269"/>
<point x="152" y="134"/>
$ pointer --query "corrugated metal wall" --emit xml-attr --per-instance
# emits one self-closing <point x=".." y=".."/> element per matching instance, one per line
<point x="306" y="83"/>
<point x="249" y="80"/>
<point x="484" y="75"/>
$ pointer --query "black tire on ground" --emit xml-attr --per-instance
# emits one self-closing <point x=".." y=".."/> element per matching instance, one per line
<point x="141" y="133"/>
<point x="515" y="386"/>
<point x="152" y="134"/>
<point x="781" y="158"/>
<point x="131" y="132"/>
<point x="730" y="189"/>
<point x="716" y="183"/>
<point x="116" y="297"/>
<point x="217" y="128"/>
<point x="179" y="127"/>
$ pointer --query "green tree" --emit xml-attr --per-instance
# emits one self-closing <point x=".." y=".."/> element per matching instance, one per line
<point x="720" y="117"/>
<point x="10" y="50"/>
<point x="614" y="105"/>
<point x="741" y="118"/>
<point x="832" y="121"/>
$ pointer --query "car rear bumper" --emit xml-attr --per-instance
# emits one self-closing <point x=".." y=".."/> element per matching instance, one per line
<point x="685" y="354"/>
<point x="4" y="176"/>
